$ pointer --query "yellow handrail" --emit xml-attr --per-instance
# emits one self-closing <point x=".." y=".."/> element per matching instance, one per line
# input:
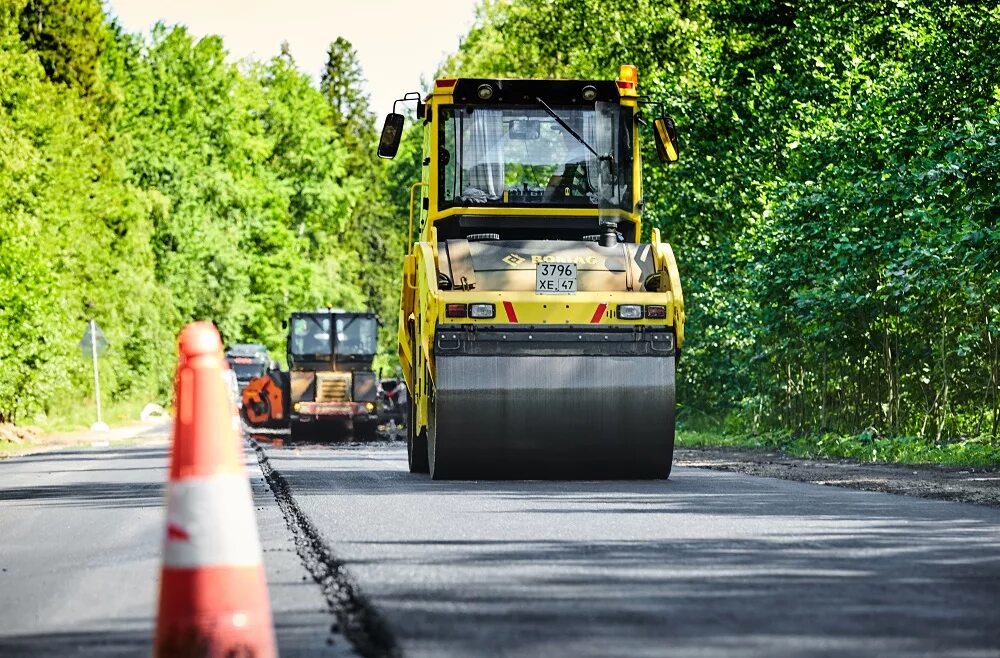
<point x="413" y="188"/>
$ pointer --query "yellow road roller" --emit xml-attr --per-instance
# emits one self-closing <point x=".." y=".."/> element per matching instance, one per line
<point x="538" y="333"/>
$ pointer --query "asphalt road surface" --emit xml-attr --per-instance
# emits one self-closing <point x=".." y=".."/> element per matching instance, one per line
<point x="80" y="539"/>
<point x="705" y="564"/>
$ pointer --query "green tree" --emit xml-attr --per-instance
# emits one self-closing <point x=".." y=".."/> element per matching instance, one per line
<point x="146" y="182"/>
<point x="343" y="86"/>
<point x="68" y="37"/>
<point x="373" y="226"/>
<point x="73" y="240"/>
<point x="830" y="213"/>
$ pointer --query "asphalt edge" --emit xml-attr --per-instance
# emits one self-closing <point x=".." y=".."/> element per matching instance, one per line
<point x="778" y="466"/>
<point x="357" y="619"/>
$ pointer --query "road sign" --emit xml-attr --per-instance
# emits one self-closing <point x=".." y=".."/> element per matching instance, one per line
<point x="93" y="336"/>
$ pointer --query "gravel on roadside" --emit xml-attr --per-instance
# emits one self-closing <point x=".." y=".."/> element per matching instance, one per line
<point x="980" y="486"/>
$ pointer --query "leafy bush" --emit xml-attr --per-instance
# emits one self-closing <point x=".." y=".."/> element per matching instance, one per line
<point x="835" y="212"/>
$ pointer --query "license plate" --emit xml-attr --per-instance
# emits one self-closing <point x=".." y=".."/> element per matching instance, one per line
<point x="555" y="278"/>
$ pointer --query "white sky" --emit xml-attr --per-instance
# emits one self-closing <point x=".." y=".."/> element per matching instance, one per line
<point x="397" y="41"/>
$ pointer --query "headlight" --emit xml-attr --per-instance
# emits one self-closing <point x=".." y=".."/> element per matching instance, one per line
<point x="482" y="311"/>
<point x="630" y="311"/>
<point x="296" y="406"/>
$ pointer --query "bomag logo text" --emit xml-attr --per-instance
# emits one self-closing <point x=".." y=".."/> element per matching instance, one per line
<point x="579" y="260"/>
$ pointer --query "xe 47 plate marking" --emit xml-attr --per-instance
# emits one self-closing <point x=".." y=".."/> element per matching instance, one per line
<point x="555" y="278"/>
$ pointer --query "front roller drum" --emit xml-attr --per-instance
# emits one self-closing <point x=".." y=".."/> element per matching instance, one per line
<point x="545" y="416"/>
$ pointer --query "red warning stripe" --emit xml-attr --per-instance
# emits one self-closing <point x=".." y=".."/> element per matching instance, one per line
<point x="599" y="313"/>
<point x="509" y="310"/>
<point x="176" y="533"/>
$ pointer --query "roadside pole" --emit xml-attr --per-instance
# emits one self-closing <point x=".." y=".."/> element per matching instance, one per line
<point x="97" y="377"/>
<point x="94" y="339"/>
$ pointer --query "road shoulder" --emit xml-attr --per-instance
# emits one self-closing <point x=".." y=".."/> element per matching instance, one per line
<point x="966" y="485"/>
<point x="153" y="431"/>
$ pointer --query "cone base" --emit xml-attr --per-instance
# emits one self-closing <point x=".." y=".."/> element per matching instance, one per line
<point x="214" y="612"/>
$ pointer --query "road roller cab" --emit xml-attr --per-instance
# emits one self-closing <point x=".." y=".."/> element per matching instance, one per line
<point x="537" y="333"/>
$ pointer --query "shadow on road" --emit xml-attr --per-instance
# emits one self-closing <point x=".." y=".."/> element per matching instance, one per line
<point x="707" y="563"/>
<point x="90" y="494"/>
<point x="98" y="643"/>
<point x="295" y="638"/>
<point x="143" y="471"/>
<point x="95" y="454"/>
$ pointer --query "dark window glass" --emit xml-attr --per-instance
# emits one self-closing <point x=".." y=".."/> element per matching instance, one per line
<point x="356" y="336"/>
<point x="311" y="335"/>
<point x="518" y="156"/>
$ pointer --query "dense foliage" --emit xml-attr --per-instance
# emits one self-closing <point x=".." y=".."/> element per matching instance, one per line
<point x="148" y="181"/>
<point x="836" y="210"/>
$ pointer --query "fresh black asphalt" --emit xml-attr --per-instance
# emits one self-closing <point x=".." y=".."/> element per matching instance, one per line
<point x="704" y="564"/>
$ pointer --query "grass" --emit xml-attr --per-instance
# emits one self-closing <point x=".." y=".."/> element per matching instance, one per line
<point x="83" y="414"/>
<point x="74" y="417"/>
<point x="980" y="452"/>
<point x="9" y="448"/>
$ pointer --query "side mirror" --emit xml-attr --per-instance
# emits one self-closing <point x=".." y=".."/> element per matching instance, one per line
<point x="665" y="133"/>
<point x="392" y="132"/>
<point x="284" y="324"/>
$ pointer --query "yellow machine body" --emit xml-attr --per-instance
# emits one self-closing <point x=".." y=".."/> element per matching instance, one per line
<point x="487" y="392"/>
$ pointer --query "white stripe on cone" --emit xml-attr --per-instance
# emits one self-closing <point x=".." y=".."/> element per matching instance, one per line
<point x="210" y="522"/>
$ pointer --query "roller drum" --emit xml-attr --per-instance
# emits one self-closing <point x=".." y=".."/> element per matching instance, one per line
<point x="553" y="404"/>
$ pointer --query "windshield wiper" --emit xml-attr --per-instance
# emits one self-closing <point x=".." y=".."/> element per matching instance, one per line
<point x="565" y="126"/>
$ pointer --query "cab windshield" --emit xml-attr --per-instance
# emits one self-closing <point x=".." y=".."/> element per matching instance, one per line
<point x="356" y="336"/>
<point x="522" y="155"/>
<point x="311" y="335"/>
<point x="323" y="334"/>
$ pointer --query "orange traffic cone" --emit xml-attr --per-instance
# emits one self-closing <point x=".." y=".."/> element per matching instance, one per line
<point x="213" y="592"/>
